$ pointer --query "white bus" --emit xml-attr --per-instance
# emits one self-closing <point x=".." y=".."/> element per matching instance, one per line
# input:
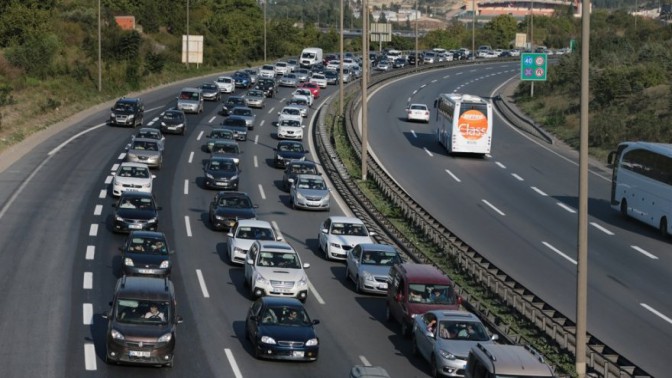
<point x="464" y="123"/>
<point x="641" y="185"/>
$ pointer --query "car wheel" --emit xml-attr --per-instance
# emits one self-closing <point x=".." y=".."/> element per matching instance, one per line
<point x="435" y="370"/>
<point x="405" y="331"/>
<point x="414" y="346"/>
<point x="663" y="227"/>
<point x="358" y="285"/>
<point x="388" y="314"/>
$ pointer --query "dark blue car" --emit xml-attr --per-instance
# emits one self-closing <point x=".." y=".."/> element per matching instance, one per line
<point x="288" y="150"/>
<point x="242" y="79"/>
<point x="280" y="329"/>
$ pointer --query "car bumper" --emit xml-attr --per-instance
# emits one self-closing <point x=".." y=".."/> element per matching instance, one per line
<point x="128" y="226"/>
<point x="454" y="368"/>
<point x="238" y="257"/>
<point x="288" y="135"/>
<point x="169" y="129"/>
<point x="122" y="121"/>
<point x="275" y="292"/>
<point x="117" y="190"/>
<point x="277" y="352"/>
<point x="188" y="108"/>
<point x="373" y="287"/>
<point x="337" y="253"/>
<point x="152" y="162"/>
<point x="121" y="353"/>
<point x="255" y="104"/>
<point x="221" y="184"/>
<point x="211" y="98"/>
<point x="137" y="271"/>
<point x="223" y="224"/>
<point x="312" y="205"/>
<point x="418" y="118"/>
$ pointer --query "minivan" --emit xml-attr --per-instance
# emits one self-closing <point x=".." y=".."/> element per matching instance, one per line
<point x="409" y="293"/>
<point x="190" y="100"/>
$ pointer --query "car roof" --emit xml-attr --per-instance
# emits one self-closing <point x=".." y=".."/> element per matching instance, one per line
<point x="276" y="246"/>
<point x="377" y="247"/>
<point x="145" y="288"/>
<point x="280" y="301"/>
<point x="309" y="176"/>
<point x="192" y="89"/>
<point x="221" y="158"/>
<point x="302" y="162"/>
<point x="129" y="99"/>
<point x="127" y="194"/>
<point x="425" y="273"/>
<point x="229" y="194"/>
<point x="455" y="315"/>
<point x="147" y="234"/>
<point x="344" y="219"/>
<point x="132" y="164"/>
<point x="144" y="140"/>
<point x="254" y="223"/>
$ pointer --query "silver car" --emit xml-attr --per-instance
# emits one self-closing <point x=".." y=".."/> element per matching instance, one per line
<point x="246" y="113"/>
<point x="255" y="98"/>
<point x="444" y="338"/>
<point x="368" y="266"/>
<point x="302" y="74"/>
<point x="147" y="151"/>
<point x="132" y="177"/>
<point x="289" y="80"/>
<point x="243" y="234"/>
<point x="310" y="192"/>
<point x="151" y="133"/>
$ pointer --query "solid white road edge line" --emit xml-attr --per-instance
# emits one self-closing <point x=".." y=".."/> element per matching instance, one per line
<point x="559" y="253"/>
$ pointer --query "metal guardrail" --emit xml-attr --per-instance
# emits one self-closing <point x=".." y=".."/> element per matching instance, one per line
<point x="602" y="360"/>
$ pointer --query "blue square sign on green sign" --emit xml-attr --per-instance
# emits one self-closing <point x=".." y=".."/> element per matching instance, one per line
<point x="533" y="66"/>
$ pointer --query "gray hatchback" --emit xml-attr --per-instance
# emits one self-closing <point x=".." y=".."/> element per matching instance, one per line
<point x="368" y="266"/>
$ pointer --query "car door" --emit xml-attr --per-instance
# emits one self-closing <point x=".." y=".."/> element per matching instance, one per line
<point x="229" y="243"/>
<point x="352" y="262"/>
<point x="424" y="341"/>
<point x="253" y="319"/>
<point x="323" y="236"/>
<point x="251" y="257"/>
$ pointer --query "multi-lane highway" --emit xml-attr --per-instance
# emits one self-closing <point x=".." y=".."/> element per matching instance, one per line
<point x="518" y="207"/>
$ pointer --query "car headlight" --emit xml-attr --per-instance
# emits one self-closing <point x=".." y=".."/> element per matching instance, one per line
<point x="147" y="185"/>
<point x="163" y="124"/>
<point x="300" y="197"/>
<point x="447" y="355"/>
<point x="236" y="160"/>
<point x="116" y="335"/>
<point x="128" y="261"/>
<point x="280" y="157"/>
<point x="165" y="338"/>
<point x="238" y="250"/>
<point x="112" y="115"/>
<point x="335" y="245"/>
<point x="311" y="342"/>
<point x="165" y="264"/>
<point x="261" y="281"/>
<point x="131" y="116"/>
<point x="132" y="156"/>
<point x="219" y="217"/>
<point x="267" y="340"/>
<point x="303" y="282"/>
<point x="368" y="276"/>
<point x="233" y="178"/>
<point x="211" y="177"/>
<point x="118" y="218"/>
<point x="151" y="220"/>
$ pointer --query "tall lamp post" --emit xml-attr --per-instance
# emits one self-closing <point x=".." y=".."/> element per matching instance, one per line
<point x="473" y="28"/>
<point x="265" y="29"/>
<point x="340" y="77"/>
<point x="416" y="34"/>
<point x="100" y="60"/>
<point x="187" y="35"/>
<point x="365" y="73"/>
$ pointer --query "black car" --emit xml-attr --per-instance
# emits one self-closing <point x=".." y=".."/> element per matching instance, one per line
<point x="280" y="329"/>
<point x="146" y="253"/>
<point x="268" y="86"/>
<point x="216" y="134"/>
<point x="411" y="59"/>
<point x="294" y="168"/>
<point x="142" y="321"/>
<point x="399" y="63"/>
<point x="332" y="77"/>
<point x="232" y="102"/>
<point x="226" y="148"/>
<point x="221" y="173"/>
<point x="127" y="111"/>
<point x="229" y="207"/>
<point x="210" y="92"/>
<point x="135" y="211"/>
<point x="173" y="121"/>
<point x="288" y="150"/>
<point x="237" y="125"/>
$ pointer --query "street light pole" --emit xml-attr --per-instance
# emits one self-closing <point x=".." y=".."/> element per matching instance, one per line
<point x="416" y="34"/>
<point x="473" y="28"/>
<point x="100" y="60"/>
<point x="265" y="30"/>
<point x="340" y="77"/>
<point x="365" y="81"/>
<point x="187" y="35"/>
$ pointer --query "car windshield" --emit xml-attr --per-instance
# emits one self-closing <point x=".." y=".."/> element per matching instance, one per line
<point x="242" y="112"/>
<point x="352" y="229"/>
<point x="144" y="145"/>
<point x="142" y="203"/>
<point x="225" y="148"/>
<point x="235" y="100"/>
<point x="279" y="260"/>
<point x="224" y="80"/>
<point x="255" y="233"/>
<point x="418" y="107"/>
<point x="189" y="95"/>
<point x="222" y="166"/>
<point x="136" y="172"/>
<point x="303" y="169"/>
<point x="385" y="258"/>
<point x="150" y="134"/>
<point x="255" y="94"/>
<point x="221" y="134"/>
<point x="124" y="107"/>
<point x="172" y="116"/>
<point x="290" y="122"/>
<point x="285" y="316"/>
<point x="142" y="312"/>
<point x="148" y="245"/>
<point x="211" y="87"/>
<point x="312" y="183"/>
<point x="291" y="111"/>
<point x="235" y="202"/>
<point x="461" y="330"/>
<point x="293" y="147"/>
<point x="267" y="68"/>
<point x="431" y="293"/>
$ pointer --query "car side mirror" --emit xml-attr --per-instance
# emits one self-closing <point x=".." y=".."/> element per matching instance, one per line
<point x="306" y="265"/>
<point x="249" y="261"/>
<point x="372" y="233"/>
<point x="430" y="334"/>
<point x="153" y="177"/>
<point x="325" y="231"/>
<point x="179" y="319"/>
<point x="316" y="321"/>
<point x="494" y="337"/>
<point x="303" y="126"/>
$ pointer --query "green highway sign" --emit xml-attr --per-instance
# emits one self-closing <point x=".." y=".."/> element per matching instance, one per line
<point x="533" y="66"/>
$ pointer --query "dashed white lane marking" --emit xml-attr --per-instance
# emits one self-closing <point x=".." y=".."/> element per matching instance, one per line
<point x="571" y="210"/>
<point x="493" y="207"/>
<point x="434" y="81"/>
<point x="187" y="225"/>
<point x="414" y="135"/>
<point x="277" y="229"/>
<point x="413" y="93"/>
<point x="98" y="210"/>
<point x="423" y="85"/>
<point x="656" y="312"/>
<point x="191" y="157"/>
<point x="256" y="161"/>
<point x="90" y="357"/>
<point x="103" y="193"/>
<point x="644" y="252"/>
<point x="271" y="110"/>
<point x="256" y="139"/>
<point x="201" y="282"/>
<point x="517" y="177"/>
<point x="428" y="152"/>
<point x="365" y="362"/>
<point x="601" y="228"/>
<point x="552" y="248"/>
<point x="115" y="166"/>
<point x="88" y="281"/>
<point x="453" y="176"/>
<point x="212" y="119"/>
<point x="447" y="76"/>
<point x="200" y="135"/>
<point x="87" y="313"/>
<point x="108" y="180"/>
<point x="315" y="293"/>
<point x="539" y="191"/>
<point x="262" y="122"/>
<point x="261" y="192"/>
<point x="500" y="165"/>
<point x="186" y="187"/>
<point x="122" y="156"/>
<point x="90" y="252"/>
<point x="232" y="362"/>
<point x="93" y="230"/>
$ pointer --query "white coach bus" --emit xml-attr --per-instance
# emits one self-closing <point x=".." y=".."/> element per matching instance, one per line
<point x="464" y="123"/>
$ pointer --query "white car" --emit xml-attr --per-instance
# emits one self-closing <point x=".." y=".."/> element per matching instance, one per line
<point x="134" y="177"/>
<point x="274" y="268"/>
<point x="417" y="112"/>
<point x="290" y="129"/>
<point x="333" y="65"/>
<point x="302" y="92"/>
<point x="290" y="112"/>
<point x="339" y="234"/>
<point x="301" y="103"/>
<point x="226" y="84"/>
<point x="243" y="234"/>
<point x="267" y="71"/>
<point x="281" y="68"/>
<point x="319" y="79"/>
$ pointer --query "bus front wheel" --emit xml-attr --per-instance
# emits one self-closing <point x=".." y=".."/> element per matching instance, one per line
<point x="663" y="227"/>
<point x="624" y="208"/>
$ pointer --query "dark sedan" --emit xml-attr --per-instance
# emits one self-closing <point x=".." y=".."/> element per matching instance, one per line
<point x="237" y="125"/>
<point x="210" y="92"/>
<point x="136" y="211"/>
<point x="221" y="173"/>
<point x="229" y="207"/>
<point x="232" y="102"/>
<point x="145" y="253"/>
<point x="295" y="168"/>
<point x="243" y="79"/>
<point x="227" y="149"/>
<point x="280" y="329"/>
<point x="288" y="150"/>
<point x="268" y="86"/>
<point x="173" y="121"/>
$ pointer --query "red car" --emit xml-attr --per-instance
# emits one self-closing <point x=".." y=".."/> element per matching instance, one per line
<point x="313" y="88"/>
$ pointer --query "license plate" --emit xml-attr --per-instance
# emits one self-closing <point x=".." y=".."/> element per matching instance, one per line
<point x="221" y="183"/>
<point x="138" y="353"/>
<point x="282" y="290"/>
<point x="146" y="271"/>
<point x="172" y="127"/>
<point x="382" y="285"/>
<point x="297" y="353"/>
<point x="135" y="226"/>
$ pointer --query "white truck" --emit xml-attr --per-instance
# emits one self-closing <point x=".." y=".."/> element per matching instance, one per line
<point x="310" y="56"/>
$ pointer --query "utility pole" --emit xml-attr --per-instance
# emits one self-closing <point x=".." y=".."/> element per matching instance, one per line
<point x="416" y="35"/>
<point x="473" y="28"/>
<point x="365" y="81"/>
<point x="187" y="34"/>
<point x="265" y="30"/>
<point x="340" y="77"/>
<point x="100" y="59"/>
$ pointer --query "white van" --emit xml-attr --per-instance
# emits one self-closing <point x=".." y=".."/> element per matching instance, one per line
<point x="310" y="56"/>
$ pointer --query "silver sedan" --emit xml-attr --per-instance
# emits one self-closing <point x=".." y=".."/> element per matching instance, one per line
<point x="368" y="266"/>
<point x="310" y="192"/>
